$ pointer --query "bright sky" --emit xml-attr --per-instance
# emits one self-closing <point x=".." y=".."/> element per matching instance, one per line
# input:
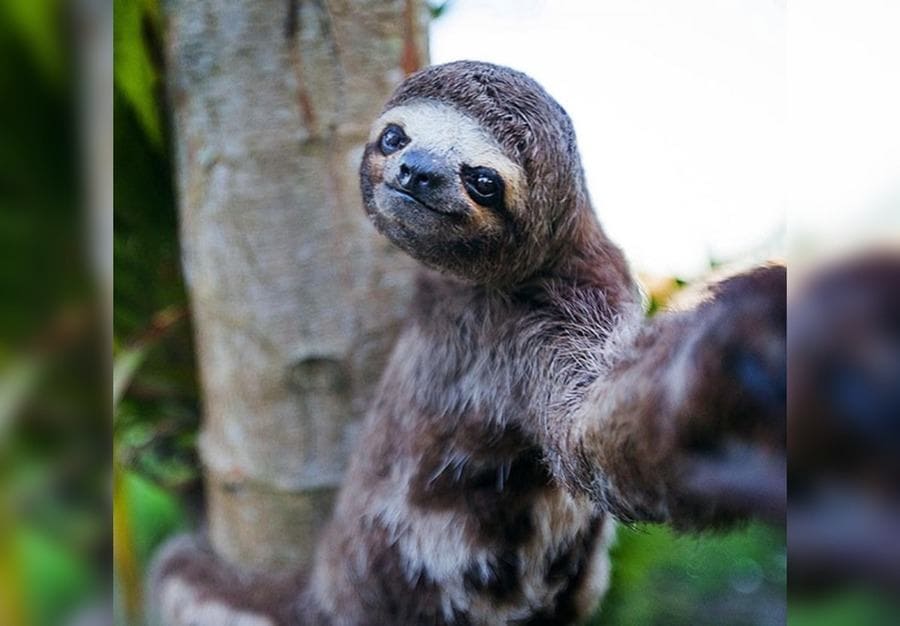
<point x="681" y="110"/>
<point x="844" y="121"/>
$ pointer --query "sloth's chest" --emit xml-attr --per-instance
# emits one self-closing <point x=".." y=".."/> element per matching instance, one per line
<point x="498" y="532"/>
<point x="502" y="545"/>
<point x="493" y="375"/>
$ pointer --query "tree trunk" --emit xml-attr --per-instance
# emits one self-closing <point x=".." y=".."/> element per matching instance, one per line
<point x="295" y="297"/>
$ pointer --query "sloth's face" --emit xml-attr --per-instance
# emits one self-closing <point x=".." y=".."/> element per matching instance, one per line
<point x="440" y="188"/>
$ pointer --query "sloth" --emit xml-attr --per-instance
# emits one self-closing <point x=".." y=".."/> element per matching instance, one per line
<point x="844" y="424"/>
<point x="529" y="402"/>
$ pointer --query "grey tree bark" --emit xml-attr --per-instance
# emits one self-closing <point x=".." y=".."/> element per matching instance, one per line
<point x="295" y="298"/>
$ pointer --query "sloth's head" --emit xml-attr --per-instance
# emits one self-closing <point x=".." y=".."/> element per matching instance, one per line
<point x="472" y="168"/>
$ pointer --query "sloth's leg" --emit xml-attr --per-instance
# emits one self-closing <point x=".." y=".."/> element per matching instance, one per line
<point x="688" y="423"/>
<point x="189" y="586"/>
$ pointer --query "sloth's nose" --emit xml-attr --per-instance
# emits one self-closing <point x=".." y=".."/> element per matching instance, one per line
<point x="420" y="172"/>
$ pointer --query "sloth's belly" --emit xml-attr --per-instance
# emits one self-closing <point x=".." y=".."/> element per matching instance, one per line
<point x="460" y="527"/>
<point x="497" y="541"/>
<point x="543" y="557"/>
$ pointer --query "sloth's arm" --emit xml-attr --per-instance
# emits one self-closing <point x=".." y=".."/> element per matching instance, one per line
<point x="189" y="585"/>
<point x="687" y="425"/>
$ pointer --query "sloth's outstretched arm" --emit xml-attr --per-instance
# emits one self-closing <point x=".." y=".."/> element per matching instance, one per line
<point x="687" y="424"/>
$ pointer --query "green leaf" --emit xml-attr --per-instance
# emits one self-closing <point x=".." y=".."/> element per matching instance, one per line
<point x="136" y="77"/>
<point x="155" y="514"/>
<point x="125" y="366"/>
<point x="36" y="21"/>
<point x="56" y="579"/>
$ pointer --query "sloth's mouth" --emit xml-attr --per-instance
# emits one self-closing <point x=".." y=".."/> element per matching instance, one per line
<point x="408" y="196"/>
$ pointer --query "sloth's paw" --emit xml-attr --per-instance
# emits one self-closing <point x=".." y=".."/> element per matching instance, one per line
<point x="731" y="414"/>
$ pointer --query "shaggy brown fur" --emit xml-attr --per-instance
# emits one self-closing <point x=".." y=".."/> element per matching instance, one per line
<point x="526" y="402"/>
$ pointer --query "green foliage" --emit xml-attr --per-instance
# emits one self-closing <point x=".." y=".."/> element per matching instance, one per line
<point x="157" y="408"/>
<point x="54" y="428"/>
<point x="54" y="578"/>
<point x="145" y="242"/>
<point x="54" y="448"/>
<point x="155" y="513"/>
<point x="38" y="177"/>
<point x="35" y="23"/>
<point x="851" y="607"/>
<point x="660" y="577"/>
<point x="136" y="73"/>
<point x="154" y="373"/>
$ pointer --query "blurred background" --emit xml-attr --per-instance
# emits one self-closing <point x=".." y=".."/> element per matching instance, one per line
<point x="54" y="408"/>
<point x="711" y="132"/>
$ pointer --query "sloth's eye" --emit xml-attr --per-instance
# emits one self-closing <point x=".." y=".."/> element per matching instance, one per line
<point x="392" y="139"/>
<point x="483" y="185"/>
